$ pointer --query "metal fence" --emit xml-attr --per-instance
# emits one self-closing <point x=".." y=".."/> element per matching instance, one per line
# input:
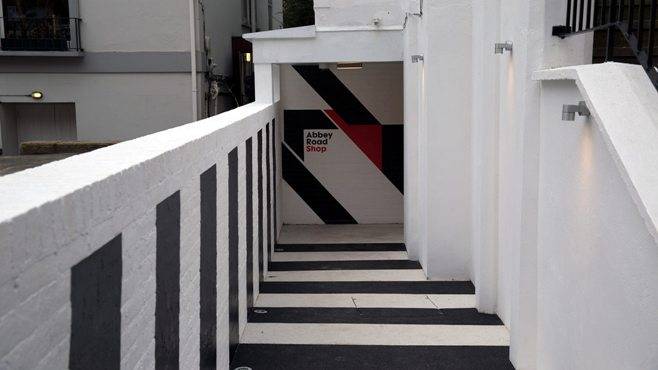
<point x="40" y="34"/>
<point x="634" y="20"/>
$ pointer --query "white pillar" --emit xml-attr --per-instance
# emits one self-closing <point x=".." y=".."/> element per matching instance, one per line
<point x="412" y="105"/>
<point x="445" y="138"/>
<point x="267" y="83"/>
<point x="484" y="139"/>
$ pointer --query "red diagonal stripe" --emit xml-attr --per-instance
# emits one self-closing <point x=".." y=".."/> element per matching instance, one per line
<point x="367" y="137"/>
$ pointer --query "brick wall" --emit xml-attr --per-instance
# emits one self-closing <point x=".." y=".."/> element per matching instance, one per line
<point x="78" y="242"/>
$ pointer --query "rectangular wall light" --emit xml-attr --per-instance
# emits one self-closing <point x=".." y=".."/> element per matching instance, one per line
<point x="344" y="66"/>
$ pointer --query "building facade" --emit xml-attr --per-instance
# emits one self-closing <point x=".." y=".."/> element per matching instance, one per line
<point x="117" y="71"/>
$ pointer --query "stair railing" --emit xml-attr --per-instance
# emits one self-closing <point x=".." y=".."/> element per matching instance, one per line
<point x="631" y="18"/>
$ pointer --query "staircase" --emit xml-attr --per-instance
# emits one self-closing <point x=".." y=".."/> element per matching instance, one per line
<point x="624" y="30"/>
<point x="365" y="306"/>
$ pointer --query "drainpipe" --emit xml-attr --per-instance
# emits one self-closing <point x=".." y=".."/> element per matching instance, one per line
<point x="193" y="61"/>
<point x="254" y="15"/>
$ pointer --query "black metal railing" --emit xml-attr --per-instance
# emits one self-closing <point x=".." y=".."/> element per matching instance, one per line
<point x="40" y="34"/>
<point x="634" y="20"/>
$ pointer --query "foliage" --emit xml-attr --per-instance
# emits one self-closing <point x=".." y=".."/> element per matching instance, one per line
<point x="297" y="13"/>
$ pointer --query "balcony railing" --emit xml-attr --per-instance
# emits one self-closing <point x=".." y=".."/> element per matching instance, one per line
<point x="40" y="34"/>
<point x="635" y="20"/>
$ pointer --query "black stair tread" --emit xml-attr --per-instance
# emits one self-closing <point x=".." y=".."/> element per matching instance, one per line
<point x="348" y="247"/>
<point x="345" y="265"/>
<point x="378" y="287"/>
<point x="328" y="357"/>
<point x="353" y="315"/>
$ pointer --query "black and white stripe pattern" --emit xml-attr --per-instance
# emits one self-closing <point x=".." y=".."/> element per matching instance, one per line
<point x="365" y="305"/>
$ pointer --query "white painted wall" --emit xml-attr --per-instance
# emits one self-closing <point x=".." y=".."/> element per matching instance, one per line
<point x="528" y="25"/>
<point x="597" y="244"/>
<point x="362" y="14"/>
<point x="47" y="227"/>
<point x="305" y="45"/>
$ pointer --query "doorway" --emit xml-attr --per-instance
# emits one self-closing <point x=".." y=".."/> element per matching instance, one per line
<point x="22" y="122"/>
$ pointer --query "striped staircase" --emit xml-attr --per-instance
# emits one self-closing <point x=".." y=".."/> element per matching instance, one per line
<point x="365" y="306"/>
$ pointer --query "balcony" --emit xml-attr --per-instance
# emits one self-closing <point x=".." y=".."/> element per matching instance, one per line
<point x="40" y="36"/>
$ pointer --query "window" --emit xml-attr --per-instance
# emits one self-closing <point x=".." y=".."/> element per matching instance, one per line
<point x="38" y="25"/>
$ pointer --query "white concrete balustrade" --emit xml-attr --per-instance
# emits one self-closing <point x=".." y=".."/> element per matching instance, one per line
<point x="54" y="216"/>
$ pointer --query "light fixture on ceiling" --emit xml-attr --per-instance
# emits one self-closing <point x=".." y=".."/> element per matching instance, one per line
<point x="347" y="66"/>
<point x="501" y="47"/>
<point x="569" y="111"/>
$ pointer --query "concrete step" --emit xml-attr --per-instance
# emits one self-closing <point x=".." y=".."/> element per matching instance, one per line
<point x="328" y="357"/>
<point x="378" y="287"/>
<point x="354" y="315"/>
<point x="342" y="247"/>
<point x="345" y="265"/>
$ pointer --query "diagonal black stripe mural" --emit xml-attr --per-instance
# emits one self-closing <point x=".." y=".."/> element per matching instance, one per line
<point x="393" y="154"/>
<point x="312" y="192"/>
<point x="336" y="94"/>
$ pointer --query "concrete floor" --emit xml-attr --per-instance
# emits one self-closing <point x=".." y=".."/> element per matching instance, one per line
<point x="341" y="234"/>
<point x="342" y="297"/>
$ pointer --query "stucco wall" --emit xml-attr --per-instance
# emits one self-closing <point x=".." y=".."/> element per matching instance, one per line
<point x="48" y="229"/>
<point x="126" y="25"/>
<point x="349" y="14"/>
<point x="528" y="24"/>
<point x="111" y="106"/>
<point x="597" y="260"/>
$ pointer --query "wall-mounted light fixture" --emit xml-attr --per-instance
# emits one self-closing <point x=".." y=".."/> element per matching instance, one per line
<point x="569" y="111"/>
<point x="501" y="47"/>
<point x="247" y="57"/>
<point x="417" y="58"/>
<point x="344" y="66"/>
<point x="36" y="95"/>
